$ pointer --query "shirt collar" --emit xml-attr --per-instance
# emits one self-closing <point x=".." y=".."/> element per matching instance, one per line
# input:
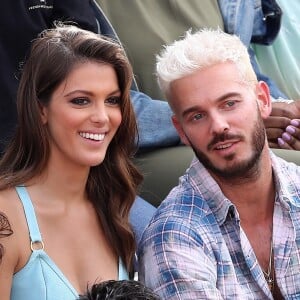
<point x="287" y="189"/>
<point x="222" y="208"/>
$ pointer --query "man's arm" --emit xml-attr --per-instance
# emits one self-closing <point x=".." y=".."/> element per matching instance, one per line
<point x="154" y="122"/>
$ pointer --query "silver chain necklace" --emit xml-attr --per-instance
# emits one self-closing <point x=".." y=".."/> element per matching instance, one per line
<point x="269" y="275"/>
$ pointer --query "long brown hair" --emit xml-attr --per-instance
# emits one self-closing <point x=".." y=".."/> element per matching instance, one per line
<point x="112" y="185"/>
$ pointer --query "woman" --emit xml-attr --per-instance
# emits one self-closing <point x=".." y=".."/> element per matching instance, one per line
<point x="67" y="181"/>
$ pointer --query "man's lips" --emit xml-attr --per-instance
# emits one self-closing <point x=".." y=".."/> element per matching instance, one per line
<point x="223" y="146"/>
<point x="223" y="141"/>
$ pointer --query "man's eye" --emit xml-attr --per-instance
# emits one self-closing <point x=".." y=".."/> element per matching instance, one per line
<point x="113" y="100"/>
<point x="197" y="117"/>
<point x="230" y="103"/>
<point x="80" y="101"/>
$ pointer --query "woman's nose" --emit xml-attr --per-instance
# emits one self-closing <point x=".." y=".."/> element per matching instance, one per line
<point x="99" y="114"/>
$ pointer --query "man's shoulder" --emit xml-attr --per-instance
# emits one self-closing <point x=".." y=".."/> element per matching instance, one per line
<point x="182" y="203"/>
<point x="287" y="171"/>
<point x="287" y="175"/>
<point x="181" y="213"/>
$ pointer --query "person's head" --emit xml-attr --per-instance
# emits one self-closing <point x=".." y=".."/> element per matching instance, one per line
<point x="119" y="290"/>
<point x="48" y="73"/>
<point x="74" y="101"/>
<point x="218" y="104"/>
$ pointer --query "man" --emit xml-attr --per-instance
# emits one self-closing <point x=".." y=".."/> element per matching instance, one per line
<point x="231" y="228"/>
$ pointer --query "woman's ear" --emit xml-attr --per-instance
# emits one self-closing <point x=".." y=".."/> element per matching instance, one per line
<point x="44" y="113"/>
<point x="263" y="99"/>
<point x="180" y="131"/>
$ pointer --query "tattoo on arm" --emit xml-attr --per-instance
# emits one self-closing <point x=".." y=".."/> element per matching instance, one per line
<point x="5" y="231"/>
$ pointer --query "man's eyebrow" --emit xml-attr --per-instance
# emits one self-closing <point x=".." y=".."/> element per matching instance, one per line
<point x="228" y="95"/>
<point x="190" y="110"/>
<point x="219" y="99"/>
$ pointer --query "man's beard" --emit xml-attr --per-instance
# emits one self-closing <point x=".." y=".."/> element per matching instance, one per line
<point x="240" y="170"/>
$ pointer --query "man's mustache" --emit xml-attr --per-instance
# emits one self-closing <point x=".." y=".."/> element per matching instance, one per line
<point x="222" y="138"/>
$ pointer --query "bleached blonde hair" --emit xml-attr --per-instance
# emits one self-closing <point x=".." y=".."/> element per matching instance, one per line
<point x="200" y="50"/>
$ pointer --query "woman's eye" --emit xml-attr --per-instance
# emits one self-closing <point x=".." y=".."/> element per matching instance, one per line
<point x="113" y="100"/>
<point x="80" y="101"/>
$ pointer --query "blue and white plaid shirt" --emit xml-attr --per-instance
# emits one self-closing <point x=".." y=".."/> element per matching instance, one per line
<point x="195" y="248"/>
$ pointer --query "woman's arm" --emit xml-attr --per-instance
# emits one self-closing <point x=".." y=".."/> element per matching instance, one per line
<point x="8" y="248"/>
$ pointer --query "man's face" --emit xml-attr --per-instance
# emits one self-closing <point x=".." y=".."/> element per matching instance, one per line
<point x="220" y="117"/>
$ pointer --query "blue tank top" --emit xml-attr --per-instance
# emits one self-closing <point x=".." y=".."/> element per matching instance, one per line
<point x="40" y="278"/>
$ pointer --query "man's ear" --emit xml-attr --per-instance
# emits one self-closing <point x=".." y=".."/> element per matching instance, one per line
<point x="180" y="131"/>
<point x="263" y="99"/>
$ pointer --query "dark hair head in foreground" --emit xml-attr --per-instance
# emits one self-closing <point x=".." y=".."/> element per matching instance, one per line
<point x="119" y="290"/>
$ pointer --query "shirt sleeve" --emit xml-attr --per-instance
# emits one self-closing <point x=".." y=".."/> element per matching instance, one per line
<point x="78" y="12"/>
<point x="175" y="263"/>
<point x="154" y="122"/>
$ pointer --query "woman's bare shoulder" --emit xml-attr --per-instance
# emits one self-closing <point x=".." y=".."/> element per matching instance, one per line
<point x="11" y="211"/>
<point x="9" y="201"/>
<point x="13" y="225"/>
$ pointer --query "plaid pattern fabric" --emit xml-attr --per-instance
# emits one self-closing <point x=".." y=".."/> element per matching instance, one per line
<point x="195" y="248"/>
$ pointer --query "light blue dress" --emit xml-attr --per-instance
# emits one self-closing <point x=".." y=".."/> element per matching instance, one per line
<point x="40" y="278"/>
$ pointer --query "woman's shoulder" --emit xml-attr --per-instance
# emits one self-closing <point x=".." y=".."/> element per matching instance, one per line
<point x="13" y="226"/>
<point x="9" y="202"/>
<point x="11" y="213"/>
<point x="8" y="212"/>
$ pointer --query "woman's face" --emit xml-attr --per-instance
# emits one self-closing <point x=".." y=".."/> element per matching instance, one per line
<point x="84" y="114"/>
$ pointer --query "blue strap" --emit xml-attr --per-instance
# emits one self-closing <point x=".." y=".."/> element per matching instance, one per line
<point x="33" y="227"/>
<point x="123" y="274"/>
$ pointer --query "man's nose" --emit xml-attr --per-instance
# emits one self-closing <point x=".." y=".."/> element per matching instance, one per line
<point x="219" y="123"/>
